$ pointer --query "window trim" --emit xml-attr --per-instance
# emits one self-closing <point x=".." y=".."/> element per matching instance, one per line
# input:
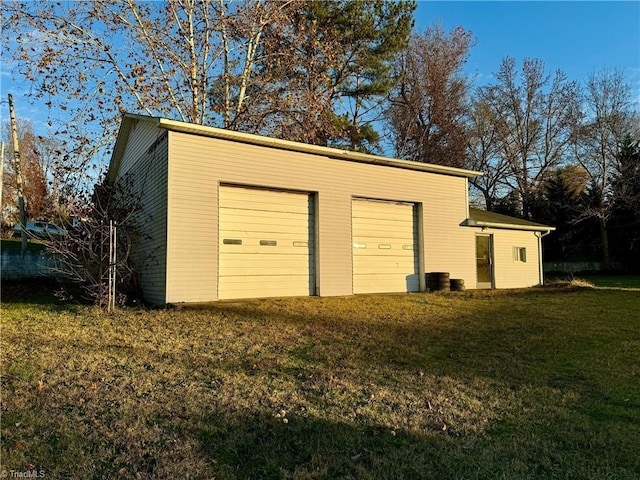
<point x="520" y="254"/>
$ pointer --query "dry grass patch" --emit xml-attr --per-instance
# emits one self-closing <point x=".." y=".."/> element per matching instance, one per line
<point x="540" y="383"/>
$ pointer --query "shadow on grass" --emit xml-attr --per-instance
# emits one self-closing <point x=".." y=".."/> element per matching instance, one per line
<point x="498" y="341"/>
<point x="203" y="394"/>
<point x="258" y="446"/>
<point x="512" y="342"/>
<point x="559" y="361"/>
<point x="37" y="291"/>
<point x="46" y="292"/>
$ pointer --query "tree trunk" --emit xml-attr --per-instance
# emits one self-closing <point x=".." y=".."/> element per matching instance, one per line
<point x="604" y="239"/>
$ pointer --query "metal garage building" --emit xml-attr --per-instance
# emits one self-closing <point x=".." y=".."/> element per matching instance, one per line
<point x="228" y="215"/>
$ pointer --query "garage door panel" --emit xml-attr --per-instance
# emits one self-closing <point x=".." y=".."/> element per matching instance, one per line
<point x="381" y="259"/>
<point x="255" y="250"/>
<point x="377" y="283"/>
<point x="369" y="269"/>
<point x="259" y="231"/>
<point x="384" y="234"/>
<point x="265" y="200"/>
<point x="398" y="230"/>
<point x="255" y="227"/>
<point x="261" y="260"/>
<point x="263" y="270"/>
<point x="264" y="286"/>
<point x="265" y="242"/>
<point x="383" y="243"/>
<point x="384" y="265"/>
<point x="381" y="208"/>
<point x="253" y="237"/>
<point x="371" y="224"/>
<point x="382" y="253"/>
<point x="266" y="246"/>
<point x="397" y="220"/>
<point x="384" y="247"/>
<point x="262" y="216"/>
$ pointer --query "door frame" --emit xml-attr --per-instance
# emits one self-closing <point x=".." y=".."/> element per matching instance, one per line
<point x="491" y="283"/>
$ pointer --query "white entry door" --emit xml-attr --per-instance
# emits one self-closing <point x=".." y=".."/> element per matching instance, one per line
<point x="265" y="243"/>
<point x="385" y="250"/>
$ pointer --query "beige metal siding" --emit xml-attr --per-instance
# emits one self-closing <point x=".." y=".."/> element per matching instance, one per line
<point x="142" y="136"/>
<point x="509" y="273"/>
<point x="199" y="164"/>
<point x="449" y="247"/>
<point x="385" y="253"/>
<point x="265" y="243"/>
<point x="146" y="180"/>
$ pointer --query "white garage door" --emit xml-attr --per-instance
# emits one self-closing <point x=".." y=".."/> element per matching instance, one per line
<point x="385" y="253"/>
<point x="266" y="243"/>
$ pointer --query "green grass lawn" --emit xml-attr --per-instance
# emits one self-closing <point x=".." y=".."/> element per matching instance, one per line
<point x="598" y="280"/>
<point x="613" y="281"/>
<point x="528" y="384"/>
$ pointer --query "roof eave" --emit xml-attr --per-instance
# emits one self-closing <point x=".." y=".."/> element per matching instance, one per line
<point x="509" y="226"/>
<point x="347" y="155"/>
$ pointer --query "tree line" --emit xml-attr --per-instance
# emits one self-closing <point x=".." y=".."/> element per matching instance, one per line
<point x="351" y="74"/>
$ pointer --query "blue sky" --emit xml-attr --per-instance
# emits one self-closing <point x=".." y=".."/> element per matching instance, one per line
<point x="576" y="37"/>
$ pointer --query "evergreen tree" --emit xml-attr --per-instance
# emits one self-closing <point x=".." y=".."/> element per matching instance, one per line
<point x="559" y="204"/>
<point x="330" y="68"/>
<point x="625" y="222"/>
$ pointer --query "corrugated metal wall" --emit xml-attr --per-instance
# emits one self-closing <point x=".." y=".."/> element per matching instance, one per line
<point x="145" y="178"/>
<point x="508" y="272"/>
<point x="198" y="165"/>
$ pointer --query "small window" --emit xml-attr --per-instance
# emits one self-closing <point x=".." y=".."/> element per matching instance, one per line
<point x="359" y="245"/>
<point x="232" y="241"/>
<point x="384" y="246"/>
<point x="300" y="244"/>
<point x="520" y="254"/>
<point x="407" y="247"/>
<point x="268" y="243"/>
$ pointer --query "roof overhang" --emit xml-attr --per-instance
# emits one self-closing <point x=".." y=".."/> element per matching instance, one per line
<point x="213" y="132"/>
<point x="469" y="222"/>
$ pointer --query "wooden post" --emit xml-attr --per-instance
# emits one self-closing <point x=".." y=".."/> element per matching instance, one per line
<point x="17" y="166"/>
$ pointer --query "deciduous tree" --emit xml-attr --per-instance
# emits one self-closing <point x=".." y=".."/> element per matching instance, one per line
<point x="35" y="190"/>
<point x="533" y="115"/>
<point x="95" y="60"/>
<point x="483" y="154"/>
<point x="274" y="67"/>
<point x="428" y="106"/>
<point x="596" y="141"/>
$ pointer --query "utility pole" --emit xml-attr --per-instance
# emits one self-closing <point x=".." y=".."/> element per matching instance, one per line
<point x="1" y="173"/>
<point x="17" y="166"/>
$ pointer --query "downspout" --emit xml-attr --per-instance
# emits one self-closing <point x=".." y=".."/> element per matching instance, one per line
<point x="540" y="236"/>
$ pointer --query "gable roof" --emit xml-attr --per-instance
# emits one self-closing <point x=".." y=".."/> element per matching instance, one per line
<point x="130" y="119"/>
<point x="482" y="218"/>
